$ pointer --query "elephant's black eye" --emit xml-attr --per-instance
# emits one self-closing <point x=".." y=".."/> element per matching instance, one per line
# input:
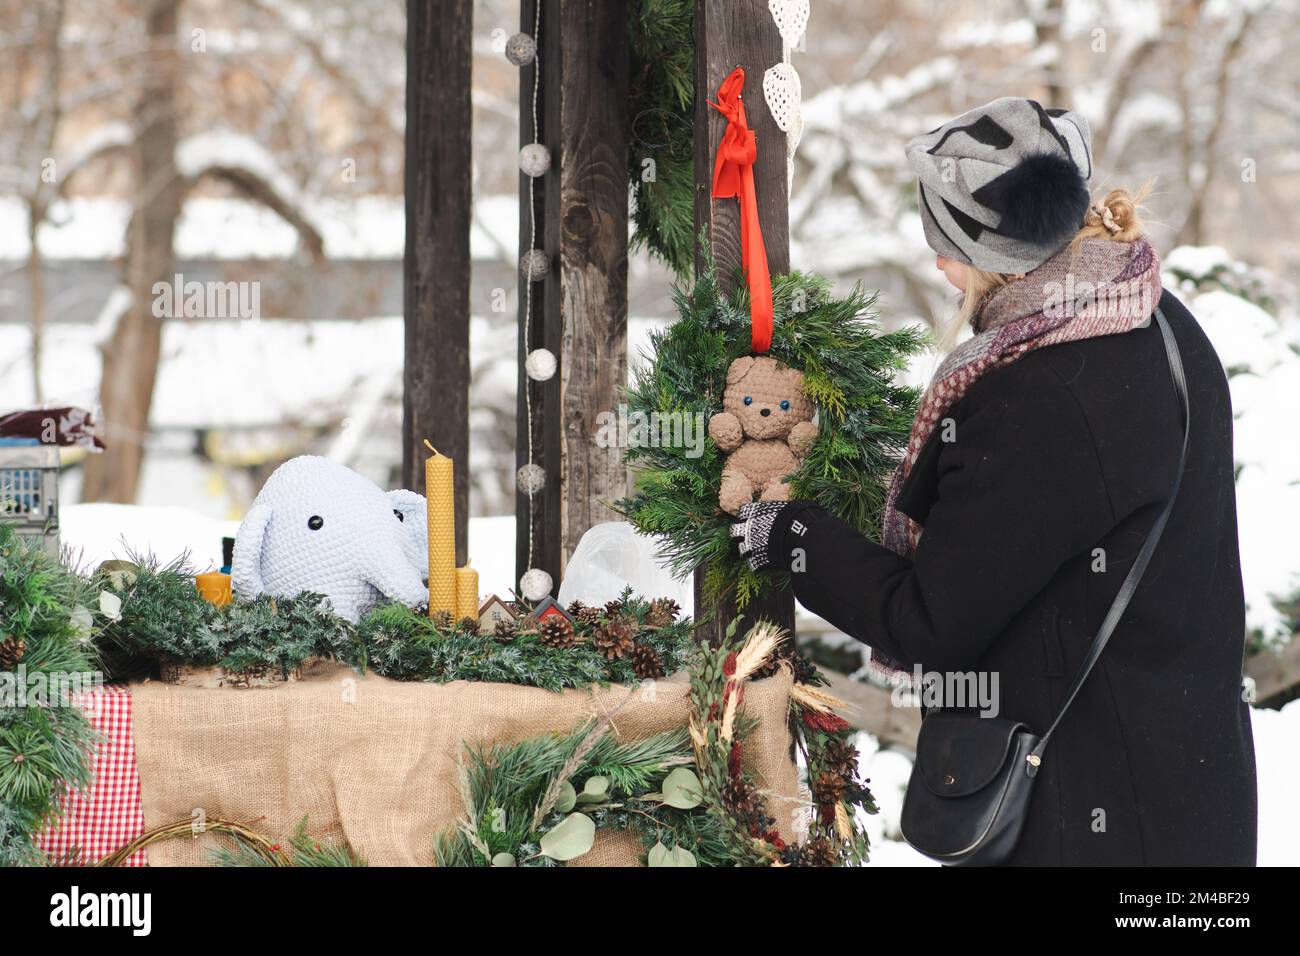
<point x="400" y="516"/>
<point x="315" y="522"/>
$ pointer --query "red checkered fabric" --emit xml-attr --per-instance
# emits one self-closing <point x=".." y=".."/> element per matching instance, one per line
<point x="108" y="814"/>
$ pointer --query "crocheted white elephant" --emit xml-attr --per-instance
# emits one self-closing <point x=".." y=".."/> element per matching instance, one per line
<point x="319" y="526"/>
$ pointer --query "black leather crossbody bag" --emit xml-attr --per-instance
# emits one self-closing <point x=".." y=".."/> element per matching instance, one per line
<point x="970" y="787"/>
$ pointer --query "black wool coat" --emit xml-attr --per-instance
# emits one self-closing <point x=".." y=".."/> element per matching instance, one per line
<point x="1072" y="448"/>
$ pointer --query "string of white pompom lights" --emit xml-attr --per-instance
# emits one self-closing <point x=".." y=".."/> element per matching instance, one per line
<point x="534" y="265"/>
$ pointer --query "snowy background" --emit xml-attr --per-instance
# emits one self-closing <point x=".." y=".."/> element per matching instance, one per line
<point x="305" y="98"/>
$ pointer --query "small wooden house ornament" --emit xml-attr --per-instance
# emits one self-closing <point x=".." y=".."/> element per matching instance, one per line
<point x="549" y="607"/>
<point x="492" y="610"/>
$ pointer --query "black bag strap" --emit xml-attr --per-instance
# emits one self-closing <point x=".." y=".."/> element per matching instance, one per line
<point x="1135" y="573"/>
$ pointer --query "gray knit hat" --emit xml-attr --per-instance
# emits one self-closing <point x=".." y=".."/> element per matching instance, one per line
<point x="1004" y="186"/>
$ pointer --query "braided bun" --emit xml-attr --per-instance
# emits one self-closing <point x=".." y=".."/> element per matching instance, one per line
<point x="1114" y="217"/>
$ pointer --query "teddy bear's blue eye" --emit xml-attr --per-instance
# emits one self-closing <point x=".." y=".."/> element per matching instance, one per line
<point x="749" y="399"/>
<point x="785" y="404"/>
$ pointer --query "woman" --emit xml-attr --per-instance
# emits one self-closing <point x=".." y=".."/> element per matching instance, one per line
<point x="1043" y="451"/>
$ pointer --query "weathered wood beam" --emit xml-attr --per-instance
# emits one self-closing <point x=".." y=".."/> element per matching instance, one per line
<point x="1275" y="674"/>
<point x="436" y="267"/>
<point x="579" y="309"/>
<point x="727" y="35"/>
<point x="871" y="709"/>
<point x="593" y="257"/>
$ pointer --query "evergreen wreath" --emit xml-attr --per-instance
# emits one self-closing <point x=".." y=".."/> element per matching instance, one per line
<point x="249" y="847"/>
<point x="848" y="364"/>
<point x="685" y="793"/>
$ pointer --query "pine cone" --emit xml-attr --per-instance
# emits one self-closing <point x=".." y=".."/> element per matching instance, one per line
<point x="663" y="611"/>
<point x="12" y="649"/>
<point x="829" y="787"/>
<point x="819" y="851"/>
<point x="441" y="620"/>
<point x="556" y="631"/>
<point x="647" y="663"/>
<point x="468" y="624"/>
<point x="591" y="616"/>
<point x="740" y="796"/>
<point x="576" y="608"/>
<point x="614" y="638"/>
<point x="803" y="669"/>
<point x="841" y="757"/>
<point x="505" y="629"/>
<point x="615" y="608"/>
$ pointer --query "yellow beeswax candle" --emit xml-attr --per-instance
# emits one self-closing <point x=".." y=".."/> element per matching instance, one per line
<point x="440" y="501"/>
<point x="466" y="593"/>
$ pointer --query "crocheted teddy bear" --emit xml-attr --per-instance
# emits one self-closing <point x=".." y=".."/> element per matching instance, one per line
<point x="766" y="426"/>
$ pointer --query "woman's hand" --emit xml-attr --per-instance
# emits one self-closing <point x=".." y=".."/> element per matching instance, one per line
<point x="754" y="531"/>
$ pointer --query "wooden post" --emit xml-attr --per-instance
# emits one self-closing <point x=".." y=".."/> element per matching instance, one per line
<point x="436" y="267"/>
<point x="593" y="257"/>
<point x="728" y="35"/>
<point x="579" y="310"/>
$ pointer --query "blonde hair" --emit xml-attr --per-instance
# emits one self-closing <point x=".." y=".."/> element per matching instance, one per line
<point x="1114" y="217"/>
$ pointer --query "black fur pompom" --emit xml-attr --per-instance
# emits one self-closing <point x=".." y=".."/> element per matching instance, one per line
<point x="1042" y="199"/>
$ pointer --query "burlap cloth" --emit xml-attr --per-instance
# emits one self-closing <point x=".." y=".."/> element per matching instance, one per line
<point x="374" y="761"/>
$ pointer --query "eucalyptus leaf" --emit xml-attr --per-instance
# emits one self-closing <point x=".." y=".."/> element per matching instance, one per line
<point x="82" y="622"/>
<point x="661" y="855"/>
<point x="682" y="789"/>
<point x="503" y="859"/>
<point x="570" y="838"/>
<point x="594" y="790"/>
<point x="568" y="797"/>
<point x="682" y="857"/>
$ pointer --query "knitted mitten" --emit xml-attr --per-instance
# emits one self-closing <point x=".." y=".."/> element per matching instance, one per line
<point x="754" y="529"/>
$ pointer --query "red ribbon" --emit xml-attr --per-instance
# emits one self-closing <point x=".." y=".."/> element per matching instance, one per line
<point x="733" y="175"/>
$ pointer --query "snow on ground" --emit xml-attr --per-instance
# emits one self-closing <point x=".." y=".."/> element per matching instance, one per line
<point x="1265" y="384"/>
<point x="1277" y="747"/>
<point x="98" y="532"/>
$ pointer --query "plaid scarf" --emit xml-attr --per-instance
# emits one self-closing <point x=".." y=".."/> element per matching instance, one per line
<point x="1100" y="288"/>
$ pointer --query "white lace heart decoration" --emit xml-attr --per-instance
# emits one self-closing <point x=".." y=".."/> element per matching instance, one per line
<point x="791" y="18"/>
<point x="793" y="135"/>
<point x="784" y="94"/>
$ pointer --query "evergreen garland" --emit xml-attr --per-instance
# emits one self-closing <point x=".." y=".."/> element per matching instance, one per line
<point x="164" y="618"/>
<point x="46" y="618"/>
<point x="661" y="103"/>
<point x="863" y="417"/>
<point x="397" y="642"/>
